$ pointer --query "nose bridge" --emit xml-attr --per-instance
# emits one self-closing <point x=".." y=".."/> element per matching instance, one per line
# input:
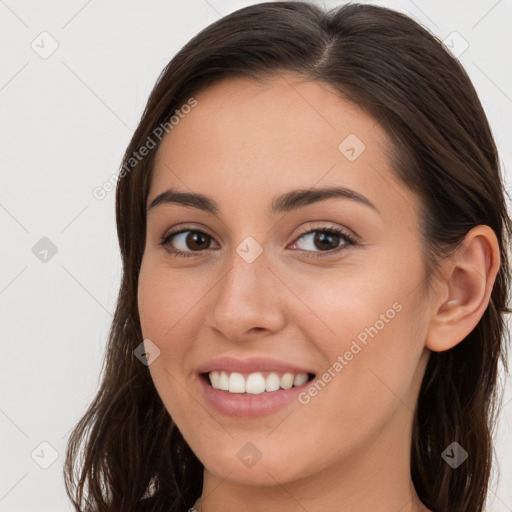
<point x="246" y="295"/>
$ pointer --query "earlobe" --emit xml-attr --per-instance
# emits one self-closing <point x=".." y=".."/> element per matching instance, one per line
<point x="464" y="293"/>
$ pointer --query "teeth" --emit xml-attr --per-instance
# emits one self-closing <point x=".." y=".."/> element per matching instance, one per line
<point x="272" y="382"/>
<point x="219" y="380"/>
<point x="236" y="383"/>
<point x="255" y="383"/>
<point x="223" y="381"/>
<point x="300" y="379"/>
<point x="286" y="381"/>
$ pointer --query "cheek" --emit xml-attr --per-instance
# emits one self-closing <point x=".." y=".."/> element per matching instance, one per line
<point x="165" y="299"/>
<point x="168" y="303"/>
<point x="160" y="312"/>
<point x="368" y="385"/>
<point x="375" y="338"/>
<point x="354" y="303"/>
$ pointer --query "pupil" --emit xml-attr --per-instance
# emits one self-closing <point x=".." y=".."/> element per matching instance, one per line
<point x="321" y="238"/>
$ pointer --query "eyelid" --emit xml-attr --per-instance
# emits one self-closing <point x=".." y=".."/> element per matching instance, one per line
<point x="326" y="225"/>
<point x="175" y="230"/>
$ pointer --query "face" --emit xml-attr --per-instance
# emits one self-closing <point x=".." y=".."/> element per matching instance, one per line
<point x="328" y="287"/>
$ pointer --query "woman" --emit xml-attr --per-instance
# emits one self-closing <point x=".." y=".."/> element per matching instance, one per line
<point x="315" y="274"/>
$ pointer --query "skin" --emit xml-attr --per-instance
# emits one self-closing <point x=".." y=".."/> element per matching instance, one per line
<point x="348" y="448"/>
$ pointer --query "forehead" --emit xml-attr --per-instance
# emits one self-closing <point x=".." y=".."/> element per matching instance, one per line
<point x="253" y="137"/>
<point x="285" y="111"/>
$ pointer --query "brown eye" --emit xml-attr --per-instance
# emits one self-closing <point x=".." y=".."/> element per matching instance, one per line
<point x="324" y="240"/>
<point x="197" y="240"/>
<point x="186" y="242"/>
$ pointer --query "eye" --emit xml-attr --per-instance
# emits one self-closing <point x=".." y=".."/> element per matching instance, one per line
<point x="190" y="242"/>
<point x="325" y="239"/>
<point x="186" y="239"/>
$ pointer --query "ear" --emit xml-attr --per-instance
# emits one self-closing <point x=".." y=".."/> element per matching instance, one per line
<point x="464" y="290"/>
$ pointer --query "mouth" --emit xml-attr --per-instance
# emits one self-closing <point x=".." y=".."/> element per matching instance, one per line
<point x="252" y="387"/>
<point x="256" y="383"/>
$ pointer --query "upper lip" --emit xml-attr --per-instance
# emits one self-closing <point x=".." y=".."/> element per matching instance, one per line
<point x="249" y="365"/>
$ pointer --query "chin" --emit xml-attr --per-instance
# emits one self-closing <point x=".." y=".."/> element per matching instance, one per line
<point x="246" y="466"/>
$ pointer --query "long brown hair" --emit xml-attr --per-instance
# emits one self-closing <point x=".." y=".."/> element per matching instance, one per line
<point x="134" y="457"/>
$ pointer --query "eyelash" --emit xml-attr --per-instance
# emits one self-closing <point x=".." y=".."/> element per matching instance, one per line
<point x="349" y="241"/>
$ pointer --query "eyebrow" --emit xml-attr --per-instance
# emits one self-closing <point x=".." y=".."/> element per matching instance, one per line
<point x="284" y="203"/>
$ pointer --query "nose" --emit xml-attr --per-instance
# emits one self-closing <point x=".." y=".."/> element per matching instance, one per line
<point x="249" y="299"/>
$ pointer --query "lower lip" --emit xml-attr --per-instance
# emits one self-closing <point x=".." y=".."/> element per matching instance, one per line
<point x="247" y="405"/>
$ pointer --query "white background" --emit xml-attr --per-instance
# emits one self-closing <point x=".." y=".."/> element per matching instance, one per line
<point x="65" y="122"/>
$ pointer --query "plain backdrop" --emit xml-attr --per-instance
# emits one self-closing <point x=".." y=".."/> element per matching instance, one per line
<point x="74" y="79"/>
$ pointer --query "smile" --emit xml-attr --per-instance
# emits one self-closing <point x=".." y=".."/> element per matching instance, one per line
<point x="245" y="398"/>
